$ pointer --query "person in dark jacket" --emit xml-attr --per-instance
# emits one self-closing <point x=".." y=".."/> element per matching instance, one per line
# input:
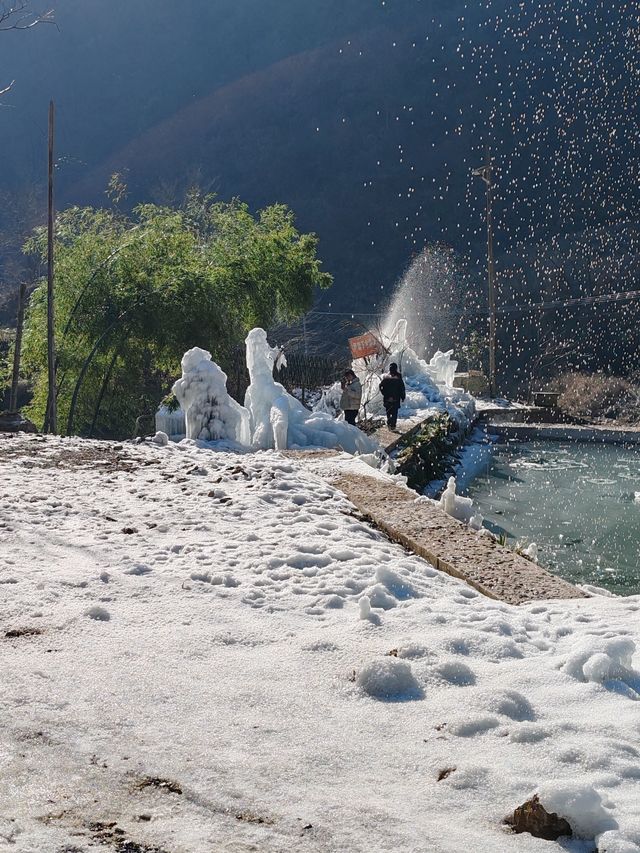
<point x="393" y="393"/>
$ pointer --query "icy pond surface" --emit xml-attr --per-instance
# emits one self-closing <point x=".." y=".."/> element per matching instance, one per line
<point x="579" y="502"/>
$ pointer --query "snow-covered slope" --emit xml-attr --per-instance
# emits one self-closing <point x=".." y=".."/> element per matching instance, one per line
<point x="202" y="677"/>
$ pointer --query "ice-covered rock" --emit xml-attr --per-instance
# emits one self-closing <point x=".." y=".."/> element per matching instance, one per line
<point x="210" y="413"/>
<point x="459" y="507"/>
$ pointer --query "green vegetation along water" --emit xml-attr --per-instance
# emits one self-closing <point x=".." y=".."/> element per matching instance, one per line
<point x="579" y="502"/>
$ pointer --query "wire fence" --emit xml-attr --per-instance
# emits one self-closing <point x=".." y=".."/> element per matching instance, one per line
<point x="303" y="374"/>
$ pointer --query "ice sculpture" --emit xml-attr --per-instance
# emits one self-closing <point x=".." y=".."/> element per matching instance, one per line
<point x="459" y="507"/>
<point x="278" y="420"/>
<point x="268" y="403"/>
<point x="329" y="402"/>
<point x="442" y="368"/>
<point x="210" y="413"/>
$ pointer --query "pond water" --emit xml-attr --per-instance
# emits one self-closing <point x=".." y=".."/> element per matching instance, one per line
<point x="579" y="502"/>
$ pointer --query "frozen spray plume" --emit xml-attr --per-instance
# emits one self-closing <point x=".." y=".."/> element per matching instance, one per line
<point x="432" y="296"/>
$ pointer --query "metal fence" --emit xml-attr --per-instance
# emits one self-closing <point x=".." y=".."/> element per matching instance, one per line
<point x="303" y="373"/>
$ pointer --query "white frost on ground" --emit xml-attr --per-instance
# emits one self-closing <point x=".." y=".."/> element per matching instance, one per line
<point x="203" y="675"/>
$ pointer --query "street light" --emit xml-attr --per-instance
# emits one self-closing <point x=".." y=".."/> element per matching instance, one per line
<point x="486" y="173"/>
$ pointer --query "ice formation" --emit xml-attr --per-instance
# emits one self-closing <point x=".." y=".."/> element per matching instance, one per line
<point x="429" y="386"/>
<point x="443" y="368"/>
<point x="210" y="413"/>
<point x="272" y="419"/>
<point x="459" y="507"/>
<point x="170" y="421"/>
<point x="329" y="402"/>
<point x="278" y="420"/>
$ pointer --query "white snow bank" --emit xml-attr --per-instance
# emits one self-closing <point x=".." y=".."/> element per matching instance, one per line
<point x="224" y="606"/>
<point x="601" y="660"/>
<point x="578" y="803"/>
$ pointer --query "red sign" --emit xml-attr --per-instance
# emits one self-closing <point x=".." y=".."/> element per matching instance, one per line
<point x="365" y="345"/>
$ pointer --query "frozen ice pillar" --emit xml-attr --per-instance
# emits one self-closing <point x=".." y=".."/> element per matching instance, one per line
<point x="442" y="368"/>
<point x="268" y="403"/>
<point x="210" y="413"/>
<point x="280" y="421"/>
<point x="459" y="507"/>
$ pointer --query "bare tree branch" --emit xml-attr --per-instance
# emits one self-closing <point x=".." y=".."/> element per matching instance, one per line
<point x="18" y="16"/>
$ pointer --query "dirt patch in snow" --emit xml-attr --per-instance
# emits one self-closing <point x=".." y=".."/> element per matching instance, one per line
<point x="107" y="458"/>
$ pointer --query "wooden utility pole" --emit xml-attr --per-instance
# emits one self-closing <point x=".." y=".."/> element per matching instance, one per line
<point x="17" y="349"/>
<point x="52" y="415"/>
<point x="486" y="173"/>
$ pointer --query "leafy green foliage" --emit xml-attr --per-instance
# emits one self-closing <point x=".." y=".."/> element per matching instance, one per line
<point x="133" y="293"/>
<point x="429" y="453"/>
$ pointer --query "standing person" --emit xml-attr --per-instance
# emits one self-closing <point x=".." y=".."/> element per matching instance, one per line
<point x="393" y="393"/>
<point x="351" y="396"/>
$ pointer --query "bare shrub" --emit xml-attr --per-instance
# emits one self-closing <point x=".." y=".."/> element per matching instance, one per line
<point x="596" y="397"/>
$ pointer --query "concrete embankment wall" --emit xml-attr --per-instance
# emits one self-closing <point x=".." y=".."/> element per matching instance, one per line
<point x="624" y="436"/>
<point x="451" y="546"/>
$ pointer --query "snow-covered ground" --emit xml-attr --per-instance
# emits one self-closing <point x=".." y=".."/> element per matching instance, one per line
<point x="199" y="677"/>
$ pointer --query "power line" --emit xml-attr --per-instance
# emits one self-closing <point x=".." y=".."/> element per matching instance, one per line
<point x="627" y="296"/>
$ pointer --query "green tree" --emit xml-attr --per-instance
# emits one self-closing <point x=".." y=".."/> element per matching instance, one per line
<point x="134" y="292"/>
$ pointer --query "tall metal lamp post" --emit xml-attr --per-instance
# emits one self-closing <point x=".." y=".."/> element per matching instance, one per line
<point x="486" y="173"/>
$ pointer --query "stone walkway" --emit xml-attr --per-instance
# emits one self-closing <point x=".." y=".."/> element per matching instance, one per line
<point x="449" y="545"/>
<point x="389" y="439"/>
